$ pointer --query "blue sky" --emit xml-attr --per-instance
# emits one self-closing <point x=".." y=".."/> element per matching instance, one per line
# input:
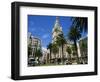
<point x="41" y="27"/>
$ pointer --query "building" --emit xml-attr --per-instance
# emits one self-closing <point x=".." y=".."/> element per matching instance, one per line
<point x="29" y="39"/>
<point x="45" y="57"/>
<point x="35" y="44"/>
<point x="56" y="31"/>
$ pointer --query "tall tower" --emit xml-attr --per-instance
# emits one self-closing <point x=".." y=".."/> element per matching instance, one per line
<point x="57" y="29"/>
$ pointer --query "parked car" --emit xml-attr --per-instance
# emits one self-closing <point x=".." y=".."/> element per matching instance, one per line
<point x="68" y="62"/>
<point x="32" y="62"/>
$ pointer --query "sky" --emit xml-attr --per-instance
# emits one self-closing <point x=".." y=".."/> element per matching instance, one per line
<point x="41" y="27"/>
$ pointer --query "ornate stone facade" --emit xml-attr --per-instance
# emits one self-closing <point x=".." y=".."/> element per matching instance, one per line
<point x="57" y="29"/>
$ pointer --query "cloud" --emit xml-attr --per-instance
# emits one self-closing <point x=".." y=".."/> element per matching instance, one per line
<point x="44" y="49"/>
<point x="45" y="36"/>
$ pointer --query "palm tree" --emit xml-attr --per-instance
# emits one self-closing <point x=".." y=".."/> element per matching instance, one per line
<point x="55" y="49"/>
<point x="69" y="52"/>
<point x="81" y="23"/>
<point x="60" y="42"/>
<point x="74" y="35"/>
<point x="73" y="49"/>
<point x="49" y="46"/>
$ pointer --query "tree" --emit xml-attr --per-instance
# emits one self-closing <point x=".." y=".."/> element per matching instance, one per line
<point x="49" y="46"/>
<point x="73" y="49"/>
<point x="69" y="51"/>
<point x="60" y="42"/>
<point x="38" y="53"/>
<point x="83" y="48"/>
<point x="74" y="35"/>
<point x="29" y="50"/>
<point x="29" y="46"/>
<point x="81" y="23"/>
<point x="55" y="49"/>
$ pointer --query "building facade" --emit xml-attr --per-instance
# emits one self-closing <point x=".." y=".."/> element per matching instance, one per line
<point x="56" y="31"/>
<point x="34" y="43"/>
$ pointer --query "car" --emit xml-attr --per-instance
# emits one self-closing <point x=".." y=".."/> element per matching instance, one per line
<point x="67" y="62"/>
<point x="32" y="62"/>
